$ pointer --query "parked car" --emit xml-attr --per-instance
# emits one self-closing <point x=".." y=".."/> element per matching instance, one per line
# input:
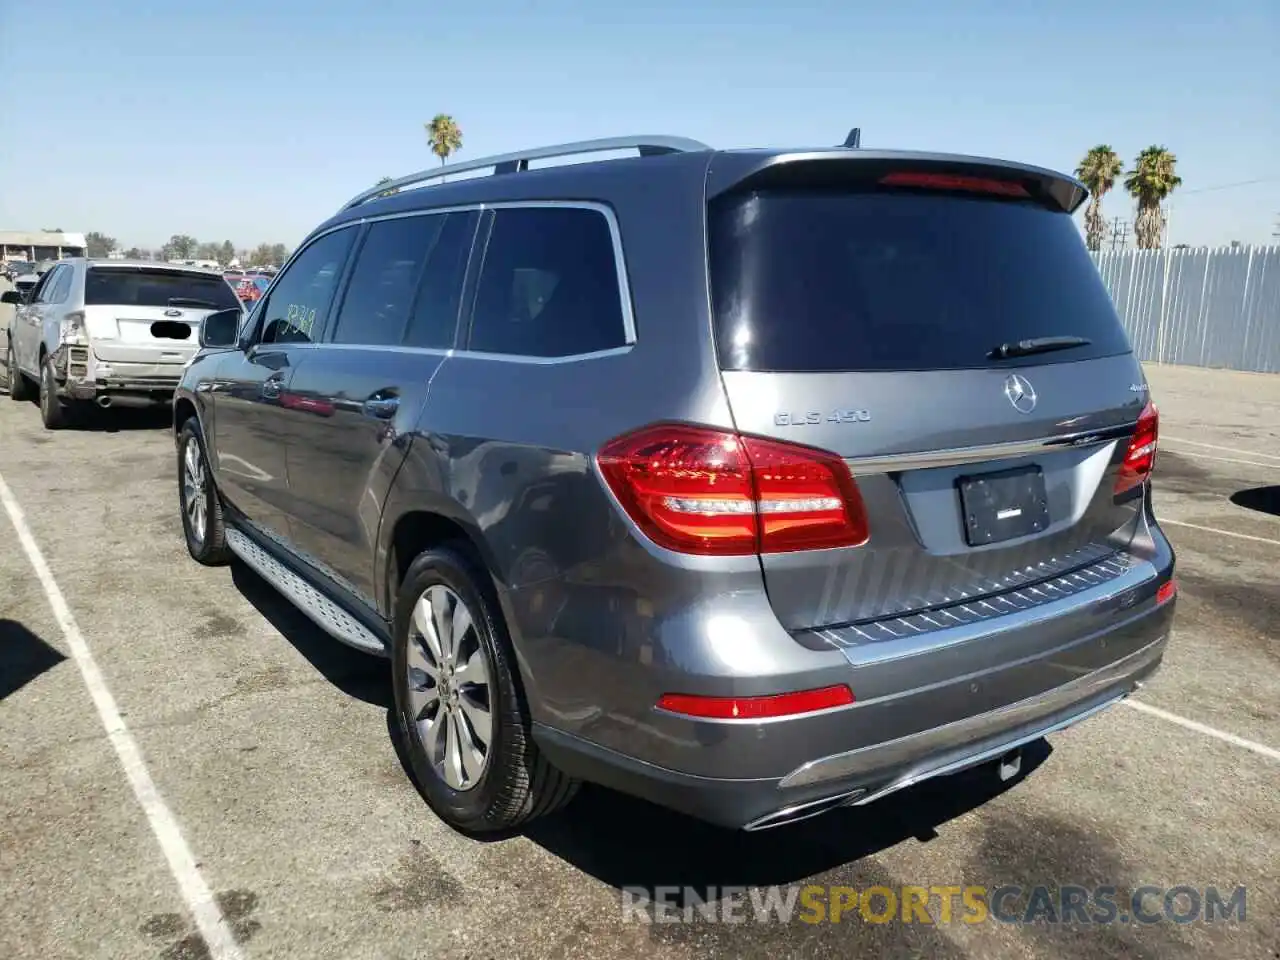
<point x="110" y="332"/>
<point x="754" y="483"/>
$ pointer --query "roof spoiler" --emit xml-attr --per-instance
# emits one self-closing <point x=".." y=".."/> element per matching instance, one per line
<point x="835" y="166"/>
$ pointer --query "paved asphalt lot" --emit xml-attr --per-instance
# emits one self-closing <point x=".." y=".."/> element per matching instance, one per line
<point x="269" y="745"/>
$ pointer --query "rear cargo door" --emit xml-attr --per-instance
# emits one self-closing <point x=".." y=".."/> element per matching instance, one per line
<point x="150" y="315"/>
<point x="957" y="348"/>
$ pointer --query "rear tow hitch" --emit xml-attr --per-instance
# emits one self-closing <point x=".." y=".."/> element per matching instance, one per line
<point x="1008" y="766"/>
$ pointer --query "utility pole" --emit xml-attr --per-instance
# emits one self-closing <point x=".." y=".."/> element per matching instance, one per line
<point x="1119" y="233"/>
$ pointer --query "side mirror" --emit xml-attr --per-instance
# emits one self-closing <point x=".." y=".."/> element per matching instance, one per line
<point x="221" y="329"/>
<point x="12" y="296"/>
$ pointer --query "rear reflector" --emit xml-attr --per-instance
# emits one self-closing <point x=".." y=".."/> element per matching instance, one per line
<point x="1167" y="591"/>
<point x="707" y="491"/>
<point x="756" y="708"/>
<point x="1140" y="456"/>
<point x="946" y="181"/>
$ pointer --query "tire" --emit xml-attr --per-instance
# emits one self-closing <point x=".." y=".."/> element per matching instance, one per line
<point x="512" y="784"/>
<point x="203" y="525"/>
<point x="53" y="413"/>
<point x="19" y="385"/>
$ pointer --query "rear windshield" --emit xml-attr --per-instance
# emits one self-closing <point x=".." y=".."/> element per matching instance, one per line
<point x="821" y="281"/>
<point x="157" y="288"/>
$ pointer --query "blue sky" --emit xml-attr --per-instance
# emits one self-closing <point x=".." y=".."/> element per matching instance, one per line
<point x="255" y="121"/>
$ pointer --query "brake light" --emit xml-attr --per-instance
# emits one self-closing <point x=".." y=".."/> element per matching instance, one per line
<point x="706" y="491"/>
<point x="756" y="708"/>
<point x="947" y="181"/>
<point x="1140" y="457"/>
<point x="1167" y="591"/>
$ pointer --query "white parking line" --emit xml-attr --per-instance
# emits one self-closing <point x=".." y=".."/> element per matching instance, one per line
<point x="1225" y="533"/>
<point x="1210" y="456"/>
<point x="1259" y="748"/>
<point x="1214" y="446"/>
<point x="204" y="909"/>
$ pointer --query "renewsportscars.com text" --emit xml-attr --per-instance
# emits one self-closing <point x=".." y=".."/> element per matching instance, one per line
<point x="969" y="904"/>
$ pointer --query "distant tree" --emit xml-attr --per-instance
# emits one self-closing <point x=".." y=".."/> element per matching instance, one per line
<point x="133" y="253"/>
<point x="279" y="254"/>
<point x="444" y="136"/>
<point x="260" y="256"/>
<point x="1150" y="182"/>
<point x="180" y="247"/>
<point x="1098" y="171"/>
<point x="227" y="252"/>
<point x="99" y="244"/>
<point x="208" y="251"/>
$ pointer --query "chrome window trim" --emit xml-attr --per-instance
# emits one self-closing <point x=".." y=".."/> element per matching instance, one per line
<point x="629" y="333"/>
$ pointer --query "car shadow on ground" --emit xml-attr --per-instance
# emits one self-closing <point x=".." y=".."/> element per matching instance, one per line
<point x="626" y="842"/>
<point x="23" y="657"/>
<point x="1262" y="499"/>
<point x="94" y="419"/>
<point x="356" y="674"/>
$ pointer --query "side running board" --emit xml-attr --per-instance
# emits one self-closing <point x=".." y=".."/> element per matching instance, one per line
<point x="329" y="616"/>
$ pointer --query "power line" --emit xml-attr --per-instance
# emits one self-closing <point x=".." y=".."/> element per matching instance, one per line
<point x="1229" y="186"/>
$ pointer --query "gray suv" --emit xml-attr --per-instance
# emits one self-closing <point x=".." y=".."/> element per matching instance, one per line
<point x="752" y="482"/>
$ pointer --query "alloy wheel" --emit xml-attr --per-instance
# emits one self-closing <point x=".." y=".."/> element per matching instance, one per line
<point x="450" y="690"/>
<point x="193" y="490"/>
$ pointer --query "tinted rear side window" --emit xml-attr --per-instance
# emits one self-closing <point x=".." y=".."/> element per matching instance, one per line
<point x="821" y="281"/>
<point x="155" y="288"/>
<point x="388" y="267"/>
<point x="549" y="285"/>
<point x="435" y="313"/>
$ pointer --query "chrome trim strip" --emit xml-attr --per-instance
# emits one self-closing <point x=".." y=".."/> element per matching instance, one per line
<point x="957" y="734"/>
<point x="923" y="460"/>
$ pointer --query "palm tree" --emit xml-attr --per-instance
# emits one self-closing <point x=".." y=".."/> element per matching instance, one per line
<point x="1150" y="182"/>
<point x="444" y="136"/>
<point x="1098" y="171"/>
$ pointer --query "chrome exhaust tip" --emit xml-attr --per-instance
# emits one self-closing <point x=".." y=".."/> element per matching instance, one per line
<point x="104" y="402"/>
<point x="802" y="811"/>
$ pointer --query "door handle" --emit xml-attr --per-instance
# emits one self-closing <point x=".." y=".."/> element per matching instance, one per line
<point x="271" y="387"/>
<point x="380" y="407"/>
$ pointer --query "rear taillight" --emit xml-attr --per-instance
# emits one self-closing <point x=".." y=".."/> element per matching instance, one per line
<point x="1167" y="591"/>
<point x="947" y="181"/>
<point x="707" y="491"/>
<point x="1140" y="457"/>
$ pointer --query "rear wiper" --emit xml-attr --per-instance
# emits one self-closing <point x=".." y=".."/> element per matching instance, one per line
<point x="192" y="302"/>
<point x="1024" y="348"/>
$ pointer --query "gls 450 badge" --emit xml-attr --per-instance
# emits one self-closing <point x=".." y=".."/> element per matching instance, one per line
<point x="815" y="417"/>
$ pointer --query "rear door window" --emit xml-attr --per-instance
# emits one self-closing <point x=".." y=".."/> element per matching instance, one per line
<point x="297" y="309"/>
<point x="376" y="306"/>
<point x="549" y="285"/>
<point x="899" y="280"/>
<point x="144" y="287"/>
<point x="435" y="313"/>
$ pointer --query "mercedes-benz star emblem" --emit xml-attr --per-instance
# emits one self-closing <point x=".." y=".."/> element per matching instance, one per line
<point x="1020" y="393"/>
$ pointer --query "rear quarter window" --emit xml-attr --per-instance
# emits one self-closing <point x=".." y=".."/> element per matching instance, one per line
<point x="812" y="281"/>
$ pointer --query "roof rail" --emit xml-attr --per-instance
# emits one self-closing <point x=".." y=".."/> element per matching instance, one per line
<point x="648" y="146"/>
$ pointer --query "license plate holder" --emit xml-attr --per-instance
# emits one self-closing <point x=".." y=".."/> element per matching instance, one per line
<point x="1003" y="505"/>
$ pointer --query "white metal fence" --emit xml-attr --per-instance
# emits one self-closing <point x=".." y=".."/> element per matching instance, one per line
<point x="1202" y="307"/>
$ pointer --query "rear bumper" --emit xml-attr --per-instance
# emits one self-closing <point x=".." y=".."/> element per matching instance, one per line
<point x="926" y="704"/>
<point x="864" y="774"/>
<point x="85" y="377"/>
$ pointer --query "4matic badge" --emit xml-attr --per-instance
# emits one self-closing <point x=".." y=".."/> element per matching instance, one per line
<point x="815" y="417"/>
